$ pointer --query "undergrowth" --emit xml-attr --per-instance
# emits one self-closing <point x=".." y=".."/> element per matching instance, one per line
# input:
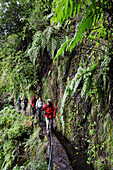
<point x="20" y="145"/>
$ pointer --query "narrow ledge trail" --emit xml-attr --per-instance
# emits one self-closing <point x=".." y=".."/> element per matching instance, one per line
<point x="60" y="158"/>
<point x="65" y="156"/>
<point x="78" y="160"/>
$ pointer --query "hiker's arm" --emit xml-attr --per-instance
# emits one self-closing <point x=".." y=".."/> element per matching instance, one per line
<point x="54" y="111"/>
<point x="43" y="108"/>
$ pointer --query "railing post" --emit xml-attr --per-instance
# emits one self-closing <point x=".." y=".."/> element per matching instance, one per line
<point x="51" y="150"/>
<point x="51" y="157"/>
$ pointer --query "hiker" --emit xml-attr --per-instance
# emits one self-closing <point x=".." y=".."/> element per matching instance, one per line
<point x="50" y="112"/>
<point x="33" y="103"/>
<point x="25" y="102"/>
<point x="19" y="103"/>
<point x="39" y="105"/>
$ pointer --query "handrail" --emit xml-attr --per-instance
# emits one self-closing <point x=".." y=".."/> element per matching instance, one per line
<point x="51" y="145"/>
<point x="51" y="150"/>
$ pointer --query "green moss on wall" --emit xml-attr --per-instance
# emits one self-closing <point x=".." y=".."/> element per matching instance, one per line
<point x="80" y="120"/>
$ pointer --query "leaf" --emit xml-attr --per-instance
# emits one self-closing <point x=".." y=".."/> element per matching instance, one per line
<point x="63" y="46"/>
<point x="85" y="87"/>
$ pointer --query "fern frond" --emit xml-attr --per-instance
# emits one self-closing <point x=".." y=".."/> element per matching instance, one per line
<point x="91" y="16"/>
<point x="64" y="9"/>
<point x="61" y="49"/>
<point x="85" y="86"/>
<point x="72" y="88"/>
<point x="85" y="24"/>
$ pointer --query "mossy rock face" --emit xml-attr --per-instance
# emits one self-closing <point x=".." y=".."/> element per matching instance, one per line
<point x="53" y="87"/>
<point x="78" y="119"/>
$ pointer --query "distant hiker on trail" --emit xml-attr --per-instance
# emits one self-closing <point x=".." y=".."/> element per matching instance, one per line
<point x="25" y="102"/>
<point x="19" y="103"/>
<point x="33" y="103"/>
<point x="49" y="114"/>
<point x="39" y="105"/>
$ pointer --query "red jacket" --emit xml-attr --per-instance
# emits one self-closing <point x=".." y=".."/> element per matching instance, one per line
<point x="33" y="101"/>
<point x="50" y="110"/>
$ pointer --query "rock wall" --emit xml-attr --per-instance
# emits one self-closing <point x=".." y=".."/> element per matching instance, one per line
<point x="73" y="121"/>
<point x="79" y="120"/>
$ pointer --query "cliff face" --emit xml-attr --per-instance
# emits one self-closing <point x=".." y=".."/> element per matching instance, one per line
<point x="72" y="115"/>
<point x="81" y="120"/>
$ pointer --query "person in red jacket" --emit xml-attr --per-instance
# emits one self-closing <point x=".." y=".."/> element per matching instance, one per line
<point x="50" y="113"/>
<point x="33" y="103"/>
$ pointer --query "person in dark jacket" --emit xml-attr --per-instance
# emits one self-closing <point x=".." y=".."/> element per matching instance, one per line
<point x="19" y="103"/>
<point x="33" y="103"/>
<point x="25" y="102"/>
<point x="50" y="113"/>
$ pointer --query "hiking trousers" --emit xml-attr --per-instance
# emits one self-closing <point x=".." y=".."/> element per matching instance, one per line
<point x="39" y="114"/>
<point x="48" y="122"/>
<point x="25" y="106"/>
<point x="33" y="110"/>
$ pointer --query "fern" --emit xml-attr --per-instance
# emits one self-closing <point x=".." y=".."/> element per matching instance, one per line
<point x="71" y="88"/>
<point x="91" y="17"/>
<point x="48" y="39"/>
<point x="63" y="9"/>
<point x="61" y="49"/>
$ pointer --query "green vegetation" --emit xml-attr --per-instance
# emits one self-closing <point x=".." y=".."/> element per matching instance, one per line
<point x="60" y="50"/>
<point x="20" y="145"/>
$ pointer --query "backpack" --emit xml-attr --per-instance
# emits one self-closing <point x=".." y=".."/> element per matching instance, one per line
<point x="39" y="104"/>
<point x="33" y="102"/>
<point x="50" y="107"/>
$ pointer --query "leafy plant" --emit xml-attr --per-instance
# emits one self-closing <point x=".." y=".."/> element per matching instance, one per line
<point x="15" y="130"/>
<point x="87" y="23"/>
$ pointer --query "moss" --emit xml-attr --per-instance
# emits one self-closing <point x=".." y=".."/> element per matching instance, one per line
<point x="80" y="118"/>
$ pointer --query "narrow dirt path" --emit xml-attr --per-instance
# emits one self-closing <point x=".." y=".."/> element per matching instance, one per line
<point x="78" y="160"/>
<point x="60" y="158"/>
<point x="65" y="156"/>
